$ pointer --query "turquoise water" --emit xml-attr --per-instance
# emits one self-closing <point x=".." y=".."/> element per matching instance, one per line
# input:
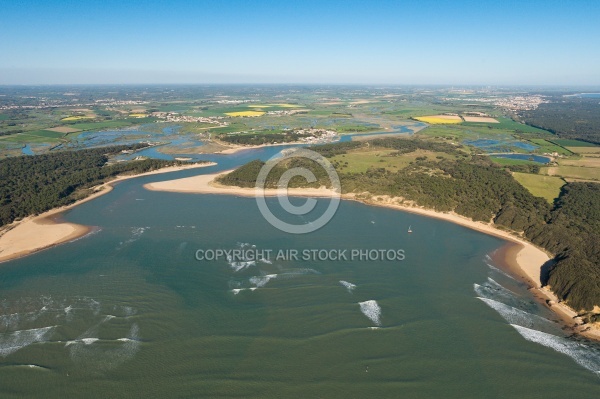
<point x="128" y="311"/>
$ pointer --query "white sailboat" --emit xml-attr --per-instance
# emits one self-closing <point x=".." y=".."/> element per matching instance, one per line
<point x="409" y="229"/>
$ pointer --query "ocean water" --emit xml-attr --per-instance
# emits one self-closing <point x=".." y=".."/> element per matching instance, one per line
<point x="128" y="311"/>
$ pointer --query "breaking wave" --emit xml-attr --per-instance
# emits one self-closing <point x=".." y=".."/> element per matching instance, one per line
<point x="238" y="290"/>
<point x="494" y="291"/>
<point x="372" y="310"/>
<point x="261" y="281"/>
<point x="237" y="266"/>
<point x="108" y="355"/>
<point x="349" y="286"/>
<point x="583" y="355"/>
<point x="494" y="268"/>
<point x="517" y="316"/>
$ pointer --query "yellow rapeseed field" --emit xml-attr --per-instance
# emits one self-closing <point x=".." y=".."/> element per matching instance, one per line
<point x="245" y="113"/>
<point x="287" y="105"/>
<point x="437" y="120"/>
<point x="137" y="115"/>
<point x="76" y="118"/>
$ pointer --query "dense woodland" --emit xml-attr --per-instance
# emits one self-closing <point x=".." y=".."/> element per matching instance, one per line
<point x="567" y="117"/>
<point x="30" y="185"/>
<point x="479" y="189"/>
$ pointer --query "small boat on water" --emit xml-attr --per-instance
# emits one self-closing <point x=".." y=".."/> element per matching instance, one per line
<point x="409" y="229"/>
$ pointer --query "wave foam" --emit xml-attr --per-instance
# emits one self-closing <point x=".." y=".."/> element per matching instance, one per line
<point x="102" y="358"/>
<point x="494" y="291"/>
<point x="583" y="355"/>
<point x="12" y="342"/>
<point x="237" y="266"/>
<point x="517" y="316"/>
<point x="494" y="268"/>
<point x="261" y="281"/>
<point x="349" y="286"/>
<point x="372" y="310"/>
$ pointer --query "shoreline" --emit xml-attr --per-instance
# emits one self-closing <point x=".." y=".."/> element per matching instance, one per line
<point x="36" y="233"/>
<point x="205" y="184"/>
<point x="235" y="148"/>
<point x="519" y="256"/>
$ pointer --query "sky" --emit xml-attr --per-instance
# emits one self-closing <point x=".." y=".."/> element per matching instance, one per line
<point x="527" y="42"/>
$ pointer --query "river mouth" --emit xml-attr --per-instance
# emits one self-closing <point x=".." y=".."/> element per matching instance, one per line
<point x="132" y="306"/>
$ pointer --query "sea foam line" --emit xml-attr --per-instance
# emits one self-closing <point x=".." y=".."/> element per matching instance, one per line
<point x="517" y="316"/>
<point x="583" y="355"/>
<point x="494" y="268"/>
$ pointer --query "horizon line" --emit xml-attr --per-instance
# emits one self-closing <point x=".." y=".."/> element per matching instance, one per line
<point x="556" y="85"/>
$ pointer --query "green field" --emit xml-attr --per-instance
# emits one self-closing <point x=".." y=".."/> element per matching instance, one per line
<point x="4" y="117"/>
<point x="509" y="124"/>
<point x="105" y="124"/>
<point x="572" y="143"/>
<point x="320" y="112"/>
<point x="28" y="138"/>
<point x="577" y="172"/>
<point x="510" y="161"/>
<point x="234" y="127"/>
<point x="455" y="132"/>
<point x="175" y="107"/>
<point x="547" y="187"/>
<point x="550" y="147"/>
<point x="46" y="133"/>
<point x="361" y="160"/>
<point x="467" y="131"/>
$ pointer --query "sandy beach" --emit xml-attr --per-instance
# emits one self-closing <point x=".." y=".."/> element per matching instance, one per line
<point x="46" y="230"/>
<point x="237" y="148"/>
<point x="205" y="184"/>
<point x="521" y="257"/>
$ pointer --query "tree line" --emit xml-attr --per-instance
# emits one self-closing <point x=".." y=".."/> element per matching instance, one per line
<point x="30" y="185"/>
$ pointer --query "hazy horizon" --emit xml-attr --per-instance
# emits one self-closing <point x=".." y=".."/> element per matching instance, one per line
<point x="267" y="42"/>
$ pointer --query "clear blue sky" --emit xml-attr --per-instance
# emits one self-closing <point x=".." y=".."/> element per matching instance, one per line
<point x="399" y="42"/>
